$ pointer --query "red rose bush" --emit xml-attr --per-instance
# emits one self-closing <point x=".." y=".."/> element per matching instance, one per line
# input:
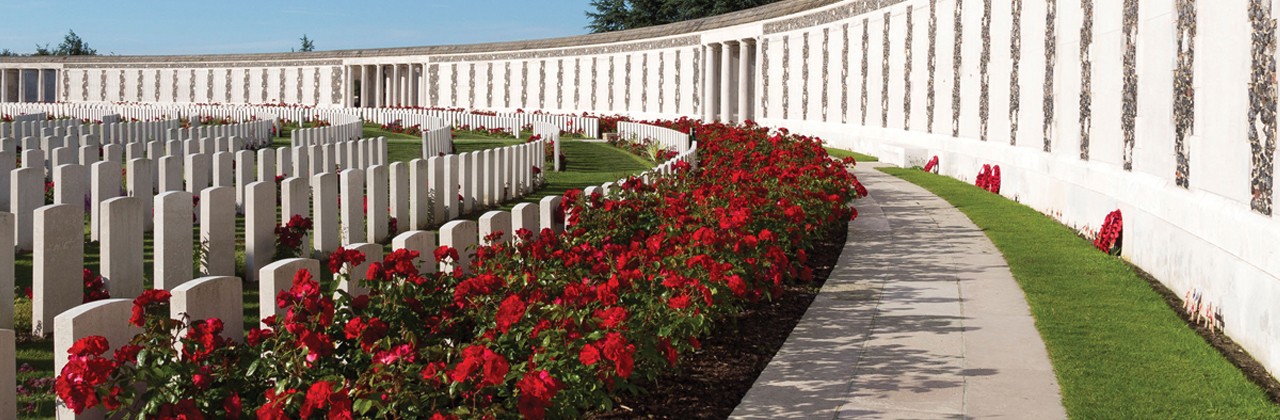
<point x="548" y="325"/>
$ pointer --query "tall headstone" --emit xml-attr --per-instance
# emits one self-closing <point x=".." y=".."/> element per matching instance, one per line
<point x="420" y="195"/>
<point x="57" y="265"/>
<point x="267" y="164"/>
<point x="246" y="161"/>
<point x="6" y="268"/>
<point x="120" y="255"/>
<point x="324" y="196"/>
<point x="352" y="205"/>
<point x="8" y="374"/>
<point x="259" y="226"/>
<point x="436" y="179"/>
<point x="198" y="168"/>
<point x="106" y="185"/>
<point x="217" y="239"/>
<point x="377" y="202"/>
<point x="172" y="240"/>
<point x="223" y="175"/>
<point x="452" y="172"/>
<point x="399" y="196"/>
<point x="170" y="174"/>
<point x="26" y="193"/>
<point x="138" y="178"/>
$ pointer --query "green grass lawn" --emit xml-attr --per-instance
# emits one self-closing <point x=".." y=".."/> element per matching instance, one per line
<point x="587" y="164"/>
<point x="841" y="153"/>
<point x="1118" y="349"/>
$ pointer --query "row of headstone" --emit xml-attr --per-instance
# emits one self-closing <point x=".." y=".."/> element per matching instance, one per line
<point x="549" y="132"/>
<point x="437" y="142"/>
<point x="222" y="297"/>
<point x="326" y="135"/>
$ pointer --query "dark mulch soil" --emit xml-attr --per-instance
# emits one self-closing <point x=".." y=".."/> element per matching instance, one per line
<point x="711" y="382"/>
<point x="1225" y="345"/>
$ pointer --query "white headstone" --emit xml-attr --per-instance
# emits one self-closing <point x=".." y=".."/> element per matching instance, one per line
<point x="259" y="226"/>
<point x="106" y="185"/>
<point x="138" y="178"/>
<point x="246" y="161"/>
<point x="525" y="216"/>
<point x="204" y="298"/>
<point x="120" y="255"/>
<point x="324" y="197"/>
<point x="6" y="269"/>
<point x="352" y="205"/>
<point x="217" y="238"/>
<point x="495" y="223"/>
<point x="172" y="239"/>
<point x="452" y="172"/>
<point x="424" y="242"/>
<point x="108" y="318"/>
<point x="57" y="265"/>
<point x="223" y="175"/>
<point x="267" y="164"/>
<point x="277" y="277"/>
<point x="460" y="235"/>
<point x="8" y="375"/>
<point x="355" y="276"/>
<point x="377" y="203"/>
<point x="399" y="196"/>
<point x="198" y="167"/>
<point x="550" y="216"/>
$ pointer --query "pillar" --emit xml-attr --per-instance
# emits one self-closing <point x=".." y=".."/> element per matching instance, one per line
<point x="379" y="94"/>
<point x="348" y="86"/>
<point x="394" y="98"/>
<point x="708" y="72"/>
<point x="39" y="85"/>
<point x="4" y="85"/>
<point x="364" y="87"/>
<point x="22" y="87"/>
<point x="726" y="82"/>
<point x="744" y="80"/>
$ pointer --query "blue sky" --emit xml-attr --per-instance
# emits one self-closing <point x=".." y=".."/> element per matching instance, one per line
<point x="148" y="27"/>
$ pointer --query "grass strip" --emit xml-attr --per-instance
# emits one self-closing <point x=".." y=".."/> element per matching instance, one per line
<point x="1119" y="351"/>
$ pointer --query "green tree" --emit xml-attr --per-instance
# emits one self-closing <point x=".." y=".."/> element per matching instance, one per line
<point x="72" y="45"/>
<point x="6" y="53"/>
<point x="308" y="45"/>
<point x="615" y="15"/>
<point x="609" y="15"/>
<point x="43" y="50"/>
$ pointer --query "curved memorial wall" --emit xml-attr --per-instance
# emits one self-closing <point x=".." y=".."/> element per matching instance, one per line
<point x="1164" y="110"/>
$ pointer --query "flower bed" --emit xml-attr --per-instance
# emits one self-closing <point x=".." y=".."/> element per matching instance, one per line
<point x="552" y="326"/>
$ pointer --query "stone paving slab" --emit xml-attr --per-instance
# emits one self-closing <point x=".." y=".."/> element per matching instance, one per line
<point x="920" y="319"/>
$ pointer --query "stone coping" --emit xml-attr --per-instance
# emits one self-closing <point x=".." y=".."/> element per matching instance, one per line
<point x="769" y="11"/>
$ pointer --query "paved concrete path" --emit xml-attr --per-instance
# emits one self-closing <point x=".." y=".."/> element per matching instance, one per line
<point x="920" y="319"/>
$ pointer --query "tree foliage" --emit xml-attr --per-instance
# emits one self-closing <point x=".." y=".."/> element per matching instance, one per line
<point x="308" y="44"/>
<point x="615" y="15"/>
<point x="72" y="45"/>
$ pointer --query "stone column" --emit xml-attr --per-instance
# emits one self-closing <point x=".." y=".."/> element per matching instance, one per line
<point x="348" y="87"/>
<point x="415" y="83"/>
<point x="380" y="93"/>
<point x="744" y="80"/>
<point x="708" y="70"/>
<point x="366" y="91"/>
<point x="726" y="82"/>
<point x="4" y="85"/>
<point x="40" y="85"/>
<point x="397" y="86"/>
<point x="22" y="87"/>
